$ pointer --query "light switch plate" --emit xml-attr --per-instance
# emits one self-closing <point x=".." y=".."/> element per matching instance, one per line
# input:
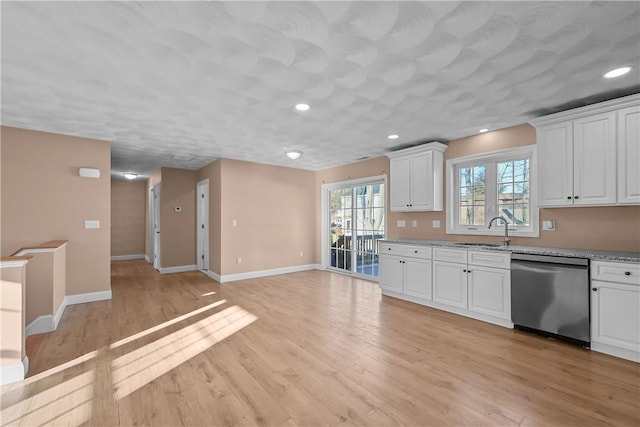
<point x="549" y="225"/>
<point x="401" y="223"/>
<point x="435" y="223"/>
<point x="92" y="223"/>
<point x="414" y="223"/>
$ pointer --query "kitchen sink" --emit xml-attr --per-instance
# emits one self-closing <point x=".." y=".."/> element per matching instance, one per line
<point x="490" y="245"/>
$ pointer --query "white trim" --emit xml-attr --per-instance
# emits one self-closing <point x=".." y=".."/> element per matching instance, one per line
<point x="493" y="157"/>
<point x="15" y="372"/>
<point x="49" y="323"/>
<point x="127" y="257"/>
<point x="178" y="269"/>
<point x="611" y="350"/>
<point x="600" y="107"/>
<point x="265" y="273"/>
<point x="211" y="274"/>
<point x="84" y="298"/>
<point x="324" y="197"/>
<point x="39" y="250"/>
<point x="14" y="263"/>
<point x="435" y="145"/>
<point x="147" y="258"/>
<point x="41" y="325"/>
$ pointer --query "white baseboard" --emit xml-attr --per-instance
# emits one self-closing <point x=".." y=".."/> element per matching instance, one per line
<point x="88" y="297"/>
<point x="265" y="273"/>
<point x="14" y="372"/>
<point x="49" y="323"/>
<point x="178" y="269"/>
<point x="214" y="276"/>
<point x="41" y="325"/>
<point x="147" y="258"/>
<point x="126" y="257"/>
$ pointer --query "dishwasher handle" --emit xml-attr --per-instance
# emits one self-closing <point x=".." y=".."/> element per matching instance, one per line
<point x="580" y="262"/>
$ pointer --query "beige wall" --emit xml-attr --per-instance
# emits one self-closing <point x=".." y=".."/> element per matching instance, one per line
<point x="606" y="228"/>
<point x="212" y="172"/>
<point x="44" y="198"/>
<point x="128" y="217"/>
<point x="178" y="229"/>
<point x="275" y="210"/>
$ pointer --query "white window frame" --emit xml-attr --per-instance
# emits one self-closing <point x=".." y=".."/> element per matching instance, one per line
<point x="527" y="151"/>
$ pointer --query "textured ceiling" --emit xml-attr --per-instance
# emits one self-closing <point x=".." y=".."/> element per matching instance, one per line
<point x="183" y="83"/>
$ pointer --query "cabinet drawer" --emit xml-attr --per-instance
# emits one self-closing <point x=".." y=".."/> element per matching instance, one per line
<point x="616" y="272"/>
<point x="450" y="255"/>
<point x="489" y="259"/>
<point x="423" y="252"/>
<point x="391" y="249"/>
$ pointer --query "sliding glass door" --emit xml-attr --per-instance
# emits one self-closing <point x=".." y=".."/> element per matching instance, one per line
<point x="356" y="223"/>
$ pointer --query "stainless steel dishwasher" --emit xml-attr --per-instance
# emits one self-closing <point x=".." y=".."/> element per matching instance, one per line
<point x="550" y="295"/>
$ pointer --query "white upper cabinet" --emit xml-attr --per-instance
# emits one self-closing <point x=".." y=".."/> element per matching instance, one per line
<point x="589" y="156"/>
<point x="628" y="155"/>
<point x="417" y="178"/>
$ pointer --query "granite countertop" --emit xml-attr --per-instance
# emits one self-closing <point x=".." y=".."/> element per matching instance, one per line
<point x="594" y="255"/>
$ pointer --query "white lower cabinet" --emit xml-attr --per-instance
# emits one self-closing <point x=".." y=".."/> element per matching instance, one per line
<point x="490" y="291"/>
<point x="615" y="309"/>
<point x="478" y="287"/>
<point x="450" y="284"/>
<point x="405" y="271"/>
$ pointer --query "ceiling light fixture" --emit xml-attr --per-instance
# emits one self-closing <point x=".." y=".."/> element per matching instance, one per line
<point x="393" y="136"/>
<point x="483" y="130"/>
<point x="617" y="72"/>
<point x="130" y="175"/>
<point x="293" y="154"/>
<point x="302" y="107"/>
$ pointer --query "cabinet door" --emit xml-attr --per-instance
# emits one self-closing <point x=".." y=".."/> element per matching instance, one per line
<point x="490" y="291"/>
<point x="629" y="155"/>
<point x="391" y="273"/>
<point x="417" y="278"/>
<point x="422" y="181"/>
<point x="594" y="160"/>
<point x="615" y="314"/>
<point x="400" y="187"/>
<point x="450" y="284"/>
<point x="555" y="165"/>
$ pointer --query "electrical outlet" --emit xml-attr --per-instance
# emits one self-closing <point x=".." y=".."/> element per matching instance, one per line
<point x="549" y="225"/>
<point x="301" y="254"/>
<point x="435" y="223"/>
<point x="92" y="223"/>
<point x="401" y="223"/>
<point x="414" y="223"/>
<point x="238" y="260"/>
<point x="234" y="223"/>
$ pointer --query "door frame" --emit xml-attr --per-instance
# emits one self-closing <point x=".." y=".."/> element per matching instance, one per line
<point x="202" y="224"/>
<point x="325" y="210"/>
<point x="156" y="227"/>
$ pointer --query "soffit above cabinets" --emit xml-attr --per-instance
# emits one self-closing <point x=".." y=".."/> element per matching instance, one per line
<point x="181" y="84"/>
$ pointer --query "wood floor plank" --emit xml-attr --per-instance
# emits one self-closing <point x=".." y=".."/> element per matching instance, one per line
<point x="311" y="348"/>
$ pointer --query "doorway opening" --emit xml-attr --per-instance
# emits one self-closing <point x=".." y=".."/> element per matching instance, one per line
<point x="355" y="213"/>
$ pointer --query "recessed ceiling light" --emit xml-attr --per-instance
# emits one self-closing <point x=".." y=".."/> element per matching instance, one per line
<point x="393" y="136"/>
<point x="302" y="107"/>
<point x="617" y="72"/>
<point x="483" y="130"/>
<point x="293" y="154"/>
<point x="130" y="175"/>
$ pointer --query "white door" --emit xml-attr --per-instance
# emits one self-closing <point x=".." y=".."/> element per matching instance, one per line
<point x="450" y="284"/>
<point x="490" y="291"/>
<point x="417" y="278"/>
<point x="594" y="160"/>
<point x="615" y="315"/>
<point x="202" y="224"/>
<point x="391" y="273"/>
<point x="156" y="226"/>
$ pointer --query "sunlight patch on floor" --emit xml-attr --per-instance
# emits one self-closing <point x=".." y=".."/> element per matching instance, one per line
<point x="139" y="367"/>
<point x="67" y="403"/>
<point x="165" y="324"/>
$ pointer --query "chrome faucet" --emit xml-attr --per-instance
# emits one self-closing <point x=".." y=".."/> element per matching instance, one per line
<point x="506" y="229"/>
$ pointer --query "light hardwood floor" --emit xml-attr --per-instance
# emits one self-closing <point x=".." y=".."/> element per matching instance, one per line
<point x="311" y="348"/>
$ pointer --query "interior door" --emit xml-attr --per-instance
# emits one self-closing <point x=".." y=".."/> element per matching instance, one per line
<point x="156" y="226"/>
<point x="202" y="224"/>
